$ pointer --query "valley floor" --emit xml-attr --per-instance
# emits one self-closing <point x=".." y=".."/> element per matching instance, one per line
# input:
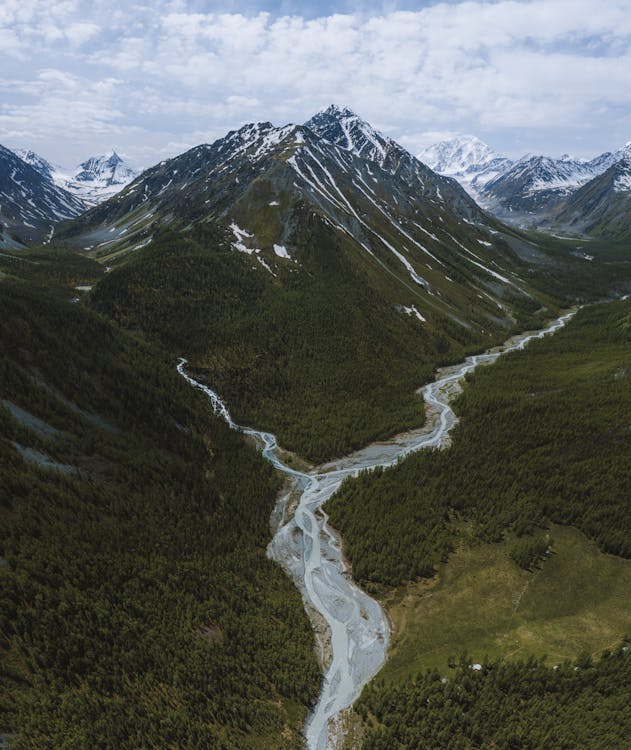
<point x="482" y="603"/>
<point x="504" y="561"/>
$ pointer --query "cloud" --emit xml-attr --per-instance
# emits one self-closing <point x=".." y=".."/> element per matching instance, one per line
<point x="507" y="67"/>
<point x="81" y="32"/>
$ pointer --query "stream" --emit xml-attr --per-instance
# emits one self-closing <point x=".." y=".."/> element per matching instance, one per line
<point x="353" y="631"/>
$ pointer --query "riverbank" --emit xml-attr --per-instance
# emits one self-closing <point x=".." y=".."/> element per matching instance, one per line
<point x="357" y="632"/>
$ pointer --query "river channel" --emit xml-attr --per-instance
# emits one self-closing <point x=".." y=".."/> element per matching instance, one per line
<point x="353" y="630"/>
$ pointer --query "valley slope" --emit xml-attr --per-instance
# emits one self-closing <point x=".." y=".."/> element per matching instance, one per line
<point x="30" y="204"/>
<point x="137" y="605"/>
<point x="542" y="441"/>
<point x="314" y="274"/>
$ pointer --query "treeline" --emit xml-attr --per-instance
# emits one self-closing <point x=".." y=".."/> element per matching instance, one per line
<point x="318" y="355"/>
<point x="137" y="605"/>
<point x="544" y="436"/>
<point x="525" y="705"/>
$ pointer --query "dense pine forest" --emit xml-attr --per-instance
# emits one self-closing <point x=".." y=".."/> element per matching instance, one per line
<point x="501" y="705"/>
<point x="543" y="436"/>
<point x="318" y="356"/>
<point x="137" y="605"/>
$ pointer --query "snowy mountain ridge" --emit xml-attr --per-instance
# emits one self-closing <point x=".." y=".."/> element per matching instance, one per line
<point x="600" y="208"/>
<point x="467" y="159"/>
<point x="516" y="191"/>
<point x="45" y="168"/>
<point x="93" y="181"/>
<point x="30" y="202"/>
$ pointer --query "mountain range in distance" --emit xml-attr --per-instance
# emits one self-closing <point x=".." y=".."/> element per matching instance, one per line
<point x="538" y="190"/>
<point x="94" y="180"/>
<point x="35" y="195"/>
<point x="533" y="191"/>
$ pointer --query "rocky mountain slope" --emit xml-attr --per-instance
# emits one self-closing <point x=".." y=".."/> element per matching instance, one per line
<point x="602" y="207"/>
<point x="30" y="204"/>
<point x="93" y="181"/>
<point x="315" y="274"/>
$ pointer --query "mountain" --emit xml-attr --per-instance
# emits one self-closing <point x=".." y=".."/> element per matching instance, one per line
<point x="341" y="126"/>
<point x="395" y="210"/>
<point x="39" y="164"/>
<point x="525" y="192"/>
<point x="98" y="178"/>
<point x="30" y="204"/>
<point x="467" y="159"/>
<point x="315" y="274"/>
<point x="536" y="184"/>
<point x="602" y="207"/>
<point x="93" y="181"/>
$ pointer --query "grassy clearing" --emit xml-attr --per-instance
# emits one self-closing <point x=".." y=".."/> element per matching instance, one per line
<point x="483" y="603"/>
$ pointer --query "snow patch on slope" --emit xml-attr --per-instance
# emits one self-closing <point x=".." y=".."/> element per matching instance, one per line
<point x="413" y="311"/>
<point x="622" y="184"/>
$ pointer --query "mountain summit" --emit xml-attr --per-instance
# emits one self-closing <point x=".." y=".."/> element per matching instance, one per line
<point x="97" y="178"/>
<point x="342" y="127"/>
<point x="108" y="168"/>
<point x="467" y="159"/>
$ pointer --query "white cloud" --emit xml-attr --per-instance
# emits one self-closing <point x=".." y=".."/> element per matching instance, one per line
<point x="81" y="32"/>
<point x="506" y="67"/>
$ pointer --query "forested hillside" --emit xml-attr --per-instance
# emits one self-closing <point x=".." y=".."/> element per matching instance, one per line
<point x="137" y="605"/>
<point x="319" y="355"/>
<point x="544" y="436"/>
<point x="316" y="275"/>
<point x="525" y="705"/>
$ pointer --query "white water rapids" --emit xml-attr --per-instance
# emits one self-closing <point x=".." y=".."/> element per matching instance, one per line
<point x="356" y="642"/>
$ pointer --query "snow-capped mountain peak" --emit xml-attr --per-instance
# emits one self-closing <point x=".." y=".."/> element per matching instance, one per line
<point x="260" y="177"/>
<point x="460" y="155"/>
<point x="468" y="159"/>
<point x="97" y="178"/>
<point x="108" y="168"/>
<point x="45" y="168"/>
<point x="337" y="110"/>
<point x="342" y="127"/>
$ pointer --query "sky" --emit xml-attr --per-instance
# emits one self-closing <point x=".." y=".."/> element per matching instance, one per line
<point x="152" y="79"/>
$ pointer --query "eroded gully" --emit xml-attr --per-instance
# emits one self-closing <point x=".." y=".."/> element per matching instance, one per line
<point x="352" y="628"/>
